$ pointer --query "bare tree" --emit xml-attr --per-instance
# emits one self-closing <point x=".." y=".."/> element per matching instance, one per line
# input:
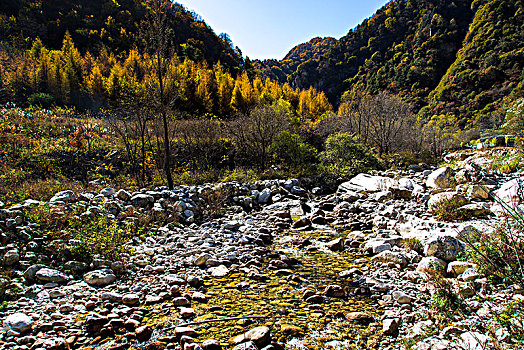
<point x="254" y="133"/>
<point x="387" y="116"/>
<point x="158" y="37"/>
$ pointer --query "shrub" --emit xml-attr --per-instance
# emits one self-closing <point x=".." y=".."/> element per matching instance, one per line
<point x="240" y="175"/>
<point x="507" y="163"/>
<point x="41" y="100"/>
<point x="345" y="155"/>
<point x="448" y="209"/>
<point x="290" y="149"/>
<point x="100" y="237"/>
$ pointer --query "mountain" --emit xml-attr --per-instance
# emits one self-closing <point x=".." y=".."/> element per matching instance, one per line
<point x="113" y="24"/>
<point x="280" y="70"/>
<point x="456" y="57"/>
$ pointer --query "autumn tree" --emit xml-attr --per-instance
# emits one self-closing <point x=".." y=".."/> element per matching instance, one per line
<point x="254" y="132"/>
<point x="158" y="37"/>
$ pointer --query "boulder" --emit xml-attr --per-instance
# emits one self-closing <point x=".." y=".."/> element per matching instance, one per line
<point x="142" y="200"/>
<point x="30" y="272"/>
<point x="444" y="247"/>
<point x="478" y="192"/>
<point x="46" y="275"/>
<point x="368" y="183"/>
<point x="264" y="196"/>
<point x="391" y="256"/>
<point x="11" y="258"/>
<point x="64" y="196"/>
<point x="456" y="268"/>
<point x="441" y="178"/>
<point x="123" y="195"/>
<point x="261" y="336"/>
<point x="218" y="271"/>
<point x="19" y="322"/>
<point x="100" y="278"/>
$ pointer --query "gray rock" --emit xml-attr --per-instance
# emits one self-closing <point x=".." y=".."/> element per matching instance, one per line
<point x="218" y="271"/>
<point x="99" y="278"/>
<point x="11" y="258"/>
<point x="131" y="299"/>
<point x="441" y="178"/>
<point x="46" y="275"/>
<point x="368" y="183"/>
<point x="142" y="200"/>
<point x="246" y="346"/>
<point x="444" y="247"/>
<point x="470" y="274"/>
<point x="107" y="192"/>
<point x="19" y="322"/>
<point x="123" y="195"/>
<point x="456" y="268"/>
<point x="67" y="196"/>
<point x="30" y="272"/>
<point x="264" y="196"/>
<point x="391" y="256"/>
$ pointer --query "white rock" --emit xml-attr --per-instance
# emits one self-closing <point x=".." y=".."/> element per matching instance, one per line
<point x="18" y="322"/>
<point x="218" y="271"/>
<point x="99" y="278"/>
<point x="440" y="178"/>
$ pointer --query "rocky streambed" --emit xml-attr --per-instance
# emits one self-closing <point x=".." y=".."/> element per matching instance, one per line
<point x="284" y="267"/>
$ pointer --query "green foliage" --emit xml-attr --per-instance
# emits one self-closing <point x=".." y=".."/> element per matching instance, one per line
<point x="41" y="100"/>
<point x="345" y="155"/>
<point x="291" y="150"/>
<point x="510" y="319"/>
<point x="515" y="119"/>
<point x="508" y="163"/>
<point x="241" y="175"/>
<point x="499" y="254"/>
<point x="101" y="236"/>
<point x="448" y="209"/>
<point x="413" y="244"/>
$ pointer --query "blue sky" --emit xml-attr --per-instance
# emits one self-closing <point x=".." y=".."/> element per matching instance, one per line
<point x="270" y="28"/>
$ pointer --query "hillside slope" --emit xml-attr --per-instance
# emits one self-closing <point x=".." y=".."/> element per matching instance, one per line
<point x="114" y="24"/>
<point x="460" y="57"/>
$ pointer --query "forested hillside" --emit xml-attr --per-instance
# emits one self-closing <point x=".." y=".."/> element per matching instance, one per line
<point x="94" y="55"/>
<point x="112" y="24"/>
<point x="460" y="57"/>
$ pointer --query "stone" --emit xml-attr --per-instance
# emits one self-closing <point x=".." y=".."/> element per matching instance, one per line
<point x="46" y="275"/>
<point x="200" y="297"/>
<point x="107" y="192"/>
<point x="368" y="183"/>
<point x="261" y="336"/>
<point x="67" y="196"/>
<point x="334" y="291"/>
<point x="264" y="196"/>
<point x="431" y="265"/>
<point x="478" y="192"/>
<point x="476" y="209"/>
<point x="391" y="256"/>
<point x="470" y="274"/>
<point x="447" y="248"/>
<point x="142" y="200"/>
<point x="11" y="258"/>
<point x="30" y="272"/>
<point x="246" y="346"/>
<point x="123" y="195"/>
<point x="336" y="245"/>
<point x="456" y="268"/>
<point x="211" y="344"/>
<point x="201" y="260"/>
<point x="130" y="299"/>
<point x="510" y="191"/>
<point x="390" y="326"/>
<point x="144" y="333"/>
<point x="181" y="301"/>
<point x="187" y="331"/>
<point x="441" y="178"/>
<point x="19" y="322"/>
<point x="401" y="297"/>
<point x="99" y="278"/>
<point x="94" y="323"/>
<point x="359" y="317"/>
<point x="218" y="271"/>
<point x="302" y="223"/>
<point x="475" y="341"/>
